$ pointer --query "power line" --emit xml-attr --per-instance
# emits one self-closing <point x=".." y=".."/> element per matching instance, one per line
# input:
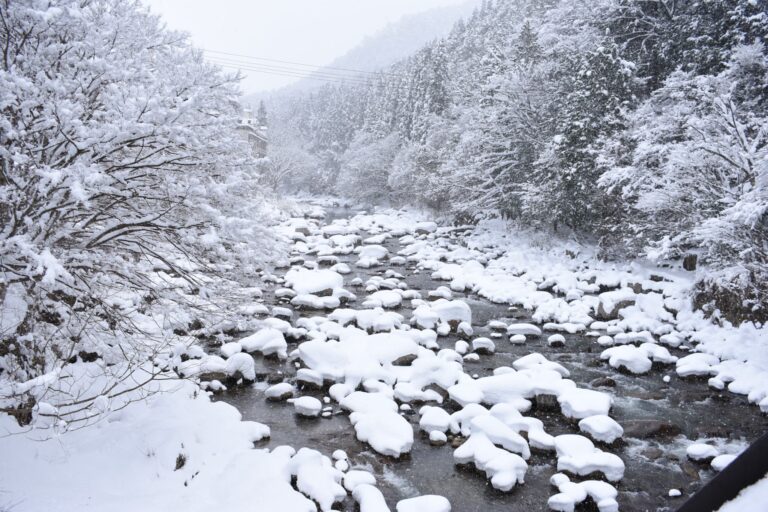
<point x="291" y="74"/>
<point x="285" y="69"/>
<point x="251" y="57"/>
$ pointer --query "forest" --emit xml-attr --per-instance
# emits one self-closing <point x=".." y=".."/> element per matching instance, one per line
<point x="640" y="125"/>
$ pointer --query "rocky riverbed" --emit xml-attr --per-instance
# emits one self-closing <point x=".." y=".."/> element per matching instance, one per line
<point x="661" y="413"/>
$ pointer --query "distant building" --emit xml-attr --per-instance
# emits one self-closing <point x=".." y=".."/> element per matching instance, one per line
<point x="254" y="133"/>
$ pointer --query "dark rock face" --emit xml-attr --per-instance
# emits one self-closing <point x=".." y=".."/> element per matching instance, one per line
<point x="690" y="261"/>
<point x="603" y="382"/>
<point x="604" y="315"/>
<point x="651" y="428"/>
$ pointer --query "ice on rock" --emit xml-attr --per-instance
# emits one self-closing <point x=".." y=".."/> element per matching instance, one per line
<point x="524" y="329"/>
<point x="242" y="365"/>
<point x="426" y="503"/>
<point x="311" y="282"/>
<point x="369" y="499"/>
<point x="572" y="493"/>
<point x="267" y="341"/>
<point x="580" y="403"/>
<point x="601" y="428"/>
<point x="307" y="406"/>
<point x="503" y="468"/>
<point x="577" y="455"/>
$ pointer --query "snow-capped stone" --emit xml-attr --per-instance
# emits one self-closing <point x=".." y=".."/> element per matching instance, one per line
<point x="426" y="503"/>
<point x="483" y="346"/>
<point x="307" y="406"/>
<point x="313" y="282"/>
<point x="601" y="428"/>
<point x="267" y="341"/>
<point x="577" y="455"/>
<point x="279" y="392"/>
<point x="701" y="452"/>
<point x="525" y="329"/>
<point x="581" y="403"/>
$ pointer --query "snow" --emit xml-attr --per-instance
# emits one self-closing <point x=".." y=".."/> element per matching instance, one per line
<point x="581" y="403"/>
<point x="504" y="469"/>
<point x="310" y="282"/>
<point x="637" y="360"/>
<point x="720" y="462"/>
<point x="524" y="329"/>
<point x="369" y="498"/>
<point x="756" y="495"/>
<point x="307" y="406"/>
<point x="577" y="455"/>
<point x="426" y="503"/>
<point x="241" y="364"/>
<point x="572" y="493"/>
<point x="701" y="452"/>
<point x="267" y="341"/>
<point x="279" y="390"/>
<point x="601" y="428"/>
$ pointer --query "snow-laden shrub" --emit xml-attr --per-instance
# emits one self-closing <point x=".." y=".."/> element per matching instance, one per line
<point x="122" y="182"/>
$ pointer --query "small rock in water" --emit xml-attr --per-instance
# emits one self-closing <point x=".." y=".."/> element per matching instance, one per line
<point x="643" y="429"/>
<point x="556" y="340"/>
<point x="437" y="438"/>
<point x="675" y="493"/>
<point x="517" y="339"/>
<point x="603" y="382"/>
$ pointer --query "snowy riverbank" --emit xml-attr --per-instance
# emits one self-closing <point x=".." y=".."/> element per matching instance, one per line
<point x="369" y="344"/>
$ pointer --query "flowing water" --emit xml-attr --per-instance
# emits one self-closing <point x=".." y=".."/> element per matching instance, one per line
<point x="653" y="448"/>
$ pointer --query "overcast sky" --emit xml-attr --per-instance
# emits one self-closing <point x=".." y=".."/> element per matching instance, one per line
<point x="303" y="31"/>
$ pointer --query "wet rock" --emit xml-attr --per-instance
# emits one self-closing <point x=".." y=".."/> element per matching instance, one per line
<point x="274" y="378"/>
<point x="690" y="470"/>
<point x="650" y="428"/>
<point x="690" y="261"/>
<point x="211" y="376"/>
<point x="652" y="453"/>
<point x="603" y="382"/>
<point x="612" y="314"/>
<point x="547" y="403"/>
<point x="456" y="441"/>
<point x="405" y="360"/>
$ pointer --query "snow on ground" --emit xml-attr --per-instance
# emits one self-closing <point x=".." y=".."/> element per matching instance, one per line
<point x="755" y="494"/>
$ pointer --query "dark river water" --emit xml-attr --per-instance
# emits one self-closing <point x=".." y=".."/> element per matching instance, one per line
<point x="657" y="417"/>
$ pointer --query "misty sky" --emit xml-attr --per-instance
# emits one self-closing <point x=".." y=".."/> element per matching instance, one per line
<point x="304" y="31"/>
